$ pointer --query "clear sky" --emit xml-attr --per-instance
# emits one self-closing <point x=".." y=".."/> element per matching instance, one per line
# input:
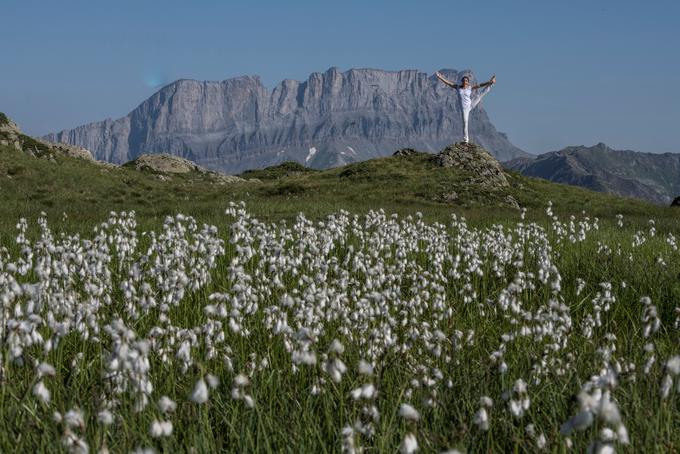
<point x="569" y="72"/>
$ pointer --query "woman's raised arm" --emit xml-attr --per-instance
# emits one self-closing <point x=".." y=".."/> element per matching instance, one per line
<point x="486" y="84"/>
<point x="447" y="82"/>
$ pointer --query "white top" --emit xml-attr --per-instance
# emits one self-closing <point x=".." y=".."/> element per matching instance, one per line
<point x="465" y="96"/>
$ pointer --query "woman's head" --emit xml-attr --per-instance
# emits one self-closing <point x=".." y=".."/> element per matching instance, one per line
<point x="465" y="81"/>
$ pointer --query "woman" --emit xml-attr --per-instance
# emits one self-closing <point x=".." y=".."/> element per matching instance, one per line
<point x="468" y="101"/>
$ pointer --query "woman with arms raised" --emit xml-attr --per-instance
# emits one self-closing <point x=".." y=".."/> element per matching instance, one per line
<point x="469" y="96"/>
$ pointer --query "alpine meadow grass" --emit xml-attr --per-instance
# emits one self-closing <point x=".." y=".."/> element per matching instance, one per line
<point x="276" y="325"/>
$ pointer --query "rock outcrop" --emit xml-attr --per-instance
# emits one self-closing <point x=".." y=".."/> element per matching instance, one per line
<point x="168" y="164"/>
<point x="11" y="135"/>
<point x="476" y="160"/>
<point x="332" y="118"/>
<point x="404" y="152"/>
<point x="648" y="176"/>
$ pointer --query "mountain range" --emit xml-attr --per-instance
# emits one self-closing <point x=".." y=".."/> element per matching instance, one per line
<point x="332" y="118"/>
<point x="648" y="176"/>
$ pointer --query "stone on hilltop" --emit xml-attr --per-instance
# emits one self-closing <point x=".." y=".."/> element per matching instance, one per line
<point x="169" y="164"/>
<point x="476" y="160"/>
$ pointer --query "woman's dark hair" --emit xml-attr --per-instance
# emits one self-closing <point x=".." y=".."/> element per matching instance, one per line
<point x="465" y="77"/>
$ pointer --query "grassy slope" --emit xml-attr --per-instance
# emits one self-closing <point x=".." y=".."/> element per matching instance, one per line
<point x="87" y="192"/>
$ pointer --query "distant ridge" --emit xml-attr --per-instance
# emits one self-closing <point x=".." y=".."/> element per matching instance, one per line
<point x="330" y="119"/>
<point x="647" y="176"/>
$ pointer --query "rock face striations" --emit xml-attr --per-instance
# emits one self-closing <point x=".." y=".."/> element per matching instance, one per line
<point x="330" y="119"/>
<point x="647" y="176"/>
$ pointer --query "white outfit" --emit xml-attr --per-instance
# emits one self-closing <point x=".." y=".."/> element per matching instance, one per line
<point x="469" y="101"/>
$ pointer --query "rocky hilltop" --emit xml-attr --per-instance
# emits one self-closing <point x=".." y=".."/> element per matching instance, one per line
<point x="11" y="135"/>
<point x="647" y="176"/>
<point x="332" y="118"/>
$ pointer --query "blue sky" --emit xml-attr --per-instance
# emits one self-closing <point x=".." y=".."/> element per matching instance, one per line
<point x="569" y="72"/>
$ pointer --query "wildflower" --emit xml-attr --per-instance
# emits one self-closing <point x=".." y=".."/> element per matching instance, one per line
<point x="166" y="405"/>
<point x="74" y="418"/>
<point x="200" y="393"/>
<point x="41" y="392"/>
<point x="409" y="445"/>
<point x="161" y="428"/>
<point x="581" y="421"/>
<point x="105" y="417"/>
<point x="212" y="380"/>
<point x="45" y="369"/>
<point x="673" y="365"/>
<point x="481" y="419"/>
<point x="407" y="412"/>
<point x="365" y="368"/>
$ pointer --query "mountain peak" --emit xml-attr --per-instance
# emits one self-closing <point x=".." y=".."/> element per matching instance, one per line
<point x="648" y="176"/>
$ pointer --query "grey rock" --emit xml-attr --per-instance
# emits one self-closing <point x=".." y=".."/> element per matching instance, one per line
<point x="450" y="196"/>
<point x="510" y="200"/>
<point x="331" y="119"/>
<point x="472" y="158"/>
<point x="405" y="152"/>
<point x="676" y="202"/>
<point x="648" y="176"/>
<point x="164" y="165"/>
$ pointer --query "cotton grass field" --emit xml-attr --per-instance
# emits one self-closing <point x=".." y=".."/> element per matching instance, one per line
<point x="371" y="332"/>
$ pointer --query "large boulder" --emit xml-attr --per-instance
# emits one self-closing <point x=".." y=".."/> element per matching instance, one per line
<point x="164" y="163"/>
<point x="169" y="164"/>
<point x="486" y="170"/>
<point x="676" y="202"/>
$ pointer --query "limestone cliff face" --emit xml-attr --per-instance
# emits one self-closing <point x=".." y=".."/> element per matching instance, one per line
<point x="331" y="119"/>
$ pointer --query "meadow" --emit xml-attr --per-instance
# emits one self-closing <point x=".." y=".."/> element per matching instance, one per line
<point x="320" y="312"/>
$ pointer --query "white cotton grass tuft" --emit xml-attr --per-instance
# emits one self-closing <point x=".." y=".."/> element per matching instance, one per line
<point x="375" y="285"/>
<point x="481" y="419"/>
<point x="45" y="370"/>
<point x="74" y="418"/>
<point x="199" y="394"/>
<point x="105" y="418"/>
<point x="166" y="405"/>
<point x="212" y="381"/>
<point x="365" y="368"/>
<point x="673" y="365"/>
<point x="409" y="413"/>
<point x="161" y="428"/>
<point x="41" y="392"/>
<point x="409" y="444"/>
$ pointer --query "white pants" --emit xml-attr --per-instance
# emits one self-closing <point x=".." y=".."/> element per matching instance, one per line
<point x="466" y="111"/>
<point x="466" y="115"/>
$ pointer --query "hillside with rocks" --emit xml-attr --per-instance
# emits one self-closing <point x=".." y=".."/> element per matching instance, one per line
<point x="11" y="136"/>
<point x="332" y="118"/>
<point x="647" y="176"/>
<point x="161" y="166"/>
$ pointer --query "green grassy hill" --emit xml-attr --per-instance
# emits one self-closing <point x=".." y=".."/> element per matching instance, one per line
<point x="87" y="191"/>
